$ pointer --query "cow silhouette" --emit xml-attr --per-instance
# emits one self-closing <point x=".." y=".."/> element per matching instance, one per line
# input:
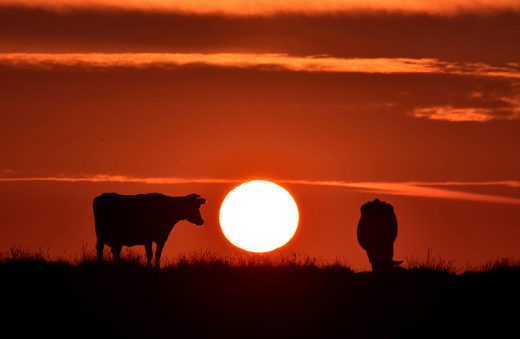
<point x="376" y="233"/>
<point x="129" y="220"/>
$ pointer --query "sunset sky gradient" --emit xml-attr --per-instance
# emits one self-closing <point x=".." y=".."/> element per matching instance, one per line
<point x="414" y="102"/>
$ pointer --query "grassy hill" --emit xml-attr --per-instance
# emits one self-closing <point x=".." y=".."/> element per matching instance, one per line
<point x="212" y="298"/>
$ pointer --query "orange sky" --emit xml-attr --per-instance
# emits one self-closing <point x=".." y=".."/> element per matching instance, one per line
<point x="339" y="106"/>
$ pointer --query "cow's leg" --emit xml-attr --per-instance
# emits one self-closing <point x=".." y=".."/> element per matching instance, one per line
<point x="158" y="252"/>
<point x="380" y="256"/>
<point x="149" y="253"/>
<point x="116" y="252"/>
<point x="99" y="250"/>
<point x="376" y="258"/>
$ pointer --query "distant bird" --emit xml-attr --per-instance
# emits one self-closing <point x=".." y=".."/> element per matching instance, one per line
<point x="129" y="220"/>
<point x="376" y="233"/>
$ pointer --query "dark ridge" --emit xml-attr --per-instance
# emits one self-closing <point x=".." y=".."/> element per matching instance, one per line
<point x="216" y="299"/>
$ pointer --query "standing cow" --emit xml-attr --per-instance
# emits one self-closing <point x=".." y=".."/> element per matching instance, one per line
<point x="129" y="220"/>
<point x="376" y="233"/>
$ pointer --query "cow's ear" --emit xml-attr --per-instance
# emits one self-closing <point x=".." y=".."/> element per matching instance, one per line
<point x="201" y="201"/>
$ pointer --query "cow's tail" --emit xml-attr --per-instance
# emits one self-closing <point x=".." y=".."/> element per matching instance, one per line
<point x="100" y="243"/>
<point x="96" y="205"/>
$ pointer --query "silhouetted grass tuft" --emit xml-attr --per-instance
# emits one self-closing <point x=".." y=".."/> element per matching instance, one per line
<point x="21" y="254"/>
<point x="431" y="264"/>
<point x="500" y="265"/>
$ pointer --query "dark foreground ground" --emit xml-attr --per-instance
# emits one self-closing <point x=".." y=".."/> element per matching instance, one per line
<point x="214" y="300"/>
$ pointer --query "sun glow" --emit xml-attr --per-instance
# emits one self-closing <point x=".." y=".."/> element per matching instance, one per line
<point x="259" y="216"/>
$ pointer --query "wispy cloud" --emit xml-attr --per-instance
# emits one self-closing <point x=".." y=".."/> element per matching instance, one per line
<point x="414" y="189"/>
<point x="461" y="114"/>
<point x="100" y="178"/>
<point x="410" y="189"/>
<point x="261" y="60"/>
<point x="265" y="7"/>
<point x="503" y="183"/>
<point x="502" y="108"/>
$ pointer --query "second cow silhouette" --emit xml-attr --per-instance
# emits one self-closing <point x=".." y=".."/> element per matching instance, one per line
<point x="376" y="233"/>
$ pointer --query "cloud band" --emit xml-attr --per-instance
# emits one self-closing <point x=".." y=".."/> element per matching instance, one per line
<point x="262" y="61"/>
<point x="409" y="189"/>
<point x="269" y="7"/>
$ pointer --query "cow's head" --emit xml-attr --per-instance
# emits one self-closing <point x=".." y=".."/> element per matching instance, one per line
<point x="193" y="209"/>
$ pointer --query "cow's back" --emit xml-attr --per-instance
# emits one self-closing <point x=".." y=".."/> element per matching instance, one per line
<point x="377" y="224"/>
<point x="131" y="219"/>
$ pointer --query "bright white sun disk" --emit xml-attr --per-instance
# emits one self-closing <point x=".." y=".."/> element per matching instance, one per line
<point x="259" y="216"/>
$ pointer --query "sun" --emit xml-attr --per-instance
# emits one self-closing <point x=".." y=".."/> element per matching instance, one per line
<point x="259" y="216"/>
